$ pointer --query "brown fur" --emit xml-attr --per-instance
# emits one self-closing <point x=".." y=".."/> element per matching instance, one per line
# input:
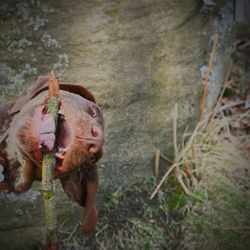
<point x="21" y="153"/>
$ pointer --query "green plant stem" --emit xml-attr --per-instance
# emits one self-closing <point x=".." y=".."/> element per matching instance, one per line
<point x="48" y="185"/>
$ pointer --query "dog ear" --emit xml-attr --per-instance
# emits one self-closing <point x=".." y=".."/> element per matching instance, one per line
<point x="74" y="188"/>
<point x="90" y="214"/>
<point x="42" y="84"/>
<point x="81" y="187"/>
<point x="76" y="89"/>
<point x="5" y="119"/>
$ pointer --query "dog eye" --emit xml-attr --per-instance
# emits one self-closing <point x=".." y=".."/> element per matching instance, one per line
<point x="92" y="111"/>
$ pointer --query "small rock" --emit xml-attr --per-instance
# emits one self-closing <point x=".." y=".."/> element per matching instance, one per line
<point x="19" y="212"/>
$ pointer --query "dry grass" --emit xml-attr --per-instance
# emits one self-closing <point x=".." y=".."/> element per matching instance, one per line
<point x="219" y="217"/>
<point x="212" y="165"/>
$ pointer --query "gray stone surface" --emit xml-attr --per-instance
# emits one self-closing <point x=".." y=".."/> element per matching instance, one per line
<point x="137" y="57"/>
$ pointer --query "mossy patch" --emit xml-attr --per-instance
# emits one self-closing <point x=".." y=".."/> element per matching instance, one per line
<point x="112" y="12"/>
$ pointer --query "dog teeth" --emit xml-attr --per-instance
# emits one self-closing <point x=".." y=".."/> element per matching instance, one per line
<point x="58" y="155"/>
<point x="61" y="155"/>
<point x="61" y="113"/>
<point x="60" y="150"/>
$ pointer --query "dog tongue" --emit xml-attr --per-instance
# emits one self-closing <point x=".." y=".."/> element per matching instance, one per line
<point x="47" y="132"/>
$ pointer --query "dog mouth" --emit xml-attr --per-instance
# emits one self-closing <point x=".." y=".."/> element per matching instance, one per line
<point x="59" y="140"/>
<point x="63" y="139"/>
<point x="54" y="139"/>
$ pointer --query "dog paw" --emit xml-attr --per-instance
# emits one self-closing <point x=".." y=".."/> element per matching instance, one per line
<point x="21" y="186"/>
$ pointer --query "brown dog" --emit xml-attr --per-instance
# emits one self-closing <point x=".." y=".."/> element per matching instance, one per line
<point x="26" y="132"/>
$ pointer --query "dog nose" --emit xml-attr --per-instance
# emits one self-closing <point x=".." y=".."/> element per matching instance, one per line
<point x="97" y="143"/>
<point x="96" y="133"/>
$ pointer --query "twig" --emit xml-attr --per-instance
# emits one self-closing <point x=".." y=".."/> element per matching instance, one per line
<point x="157" y="161"/>
<point x="72" y="233"/>
<point x="225" y="86"/>
<point x="166" y="158"/>
<point x="48" y="164"/>
<point x="62" y="225"/>
<point x="162" y="180"/>
<point x="187" y="170"/>
<point x="205" y="81"/>
<point x="196" y="167"/>
<point x="180" y="156"/>
<point x="177" y="169"/>
<point x="183" y="185"/>
<point x="231" y="105"/>
<point x="175" y="132"/>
